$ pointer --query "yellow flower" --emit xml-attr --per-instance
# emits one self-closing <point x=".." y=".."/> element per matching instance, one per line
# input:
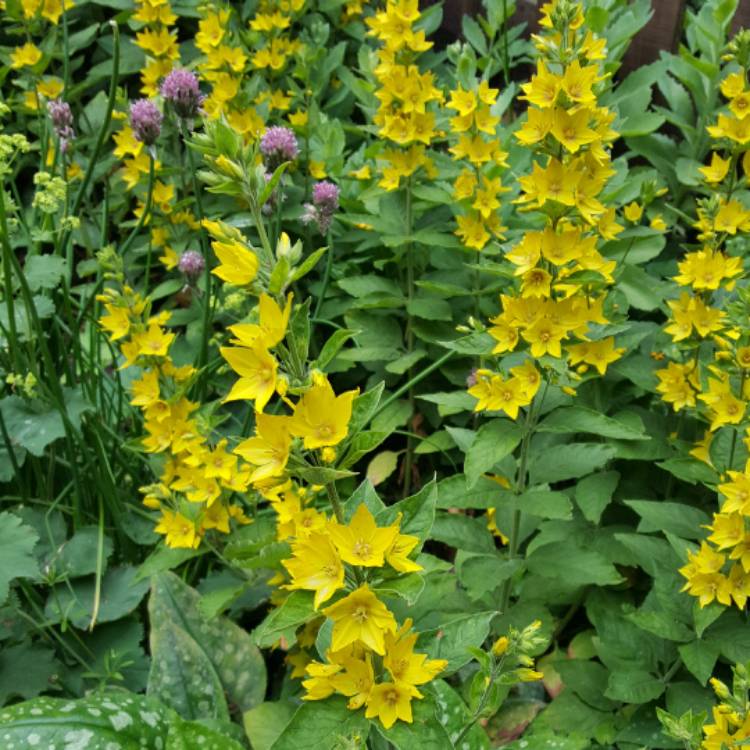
<point x="397" y="555"/>
<point x="597" y="353"/>
<point x="154" y="342"/>
<point x="26" y="56"/>
<point x="572" y="130"/>
<point x="270" y="329"/>
<point x="403" y="664"/>
<point x="180" y="532"/>
<point x="356" y="681"/>
<point x="362" y="542"/>
<point x="717" y="170"/>
<point x="390" y="701"/>
<point x="543" y="88"/>
<point x="577" y="82"/>
<point x="146" y="389"/>
<point x="239" y="265"/>
<point x="321" y="417"/>
<point x="257" y="370"/>
<point x="360" y="618"/>
<point x="633" y="212"/>
<point x="117" y="321"/>
<point x="315" y="566"/>
<point x="724" y="406"/>
<point x="268" y="451"/>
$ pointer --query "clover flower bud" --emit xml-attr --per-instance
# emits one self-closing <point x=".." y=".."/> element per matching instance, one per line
<point x="191" y="263"/>
<point x="324" y="206"/>
<point x="182" y="91"/>
<point x="145" y="119"/>
<point x="278" y="145"/>
<point x="62" y="122"/>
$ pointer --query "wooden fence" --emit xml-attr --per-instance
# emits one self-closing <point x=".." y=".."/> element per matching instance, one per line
<point x="662" y="32"/>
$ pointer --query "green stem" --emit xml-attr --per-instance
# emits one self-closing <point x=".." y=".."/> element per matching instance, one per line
<point x="409" y="457"/>
<point x="144" y="214"/>
<point x="203" y="360"/>
<point x="495" y="673"/>
<point x="333" y="496"/>
<point x="412" y="382"/>
<point x="8" y="283"/>
<point x="520" y="488"/>
<point x="93" y="160"/>
<point x="326" y="277"/>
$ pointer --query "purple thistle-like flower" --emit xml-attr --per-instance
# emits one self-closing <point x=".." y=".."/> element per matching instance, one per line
<point x="278" y="145"/>
<point x="145" y="119"/>
<point x="191" y="264"/>
<point x="62" y="122"/>
<point x="181" y="89"/>
<point x="325" y="204"/>
<point x="326" y="196"/>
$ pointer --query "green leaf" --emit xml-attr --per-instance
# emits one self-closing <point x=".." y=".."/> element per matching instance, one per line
<point x="333" y="346"/>
<point x="99" y="722"/>
<point x="382" y="466"/>
<point x="587" y="679"/>
<point x="642" y="290"/>
<point x="26" y="670"/>
<point x="264" y="723"/>
<point x="568" y="462"/>
<point x="17" y="541"/>
<point x="452" y="493"/>
<point x="424" y="733"/>
<point x="675" y="518"/>
<point x="364" y="407"/>
<point x="308" y="264"/>
<point x="572" y="419"/>
<point x="690" y="470"/>
<point x="121" y="593"/>
<point x="190" y="735"/>
<point x="481" y="574"/>
<point x="538" y="502"/>
<point x="633" y="686"/>
<point x="323" y="725"/>
<point x="453" y="715"/>
<point x="699" y="657"/>
<point x="44" y="271"/>
<point x="283" y="621"/>
<point x="572" y="566"/>
<point x="230" y="649"/>
<point x="493" y="442"/>
<point x="453" y="639"/>
<point x="77" y="556"/>
<point x="182" y="676"/>
<point x="462" y="532"/>
<point x="594" y="493"/>
<point x="417" y="512"/>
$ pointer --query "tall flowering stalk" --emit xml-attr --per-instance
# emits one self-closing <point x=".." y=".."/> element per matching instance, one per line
<point x="552" y="327"/>
<point x="708" y="374"/>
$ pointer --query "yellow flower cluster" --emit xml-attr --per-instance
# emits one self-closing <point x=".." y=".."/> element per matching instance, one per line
<point x="406" y="96"/>
<point x="731" y="718"/>
<point x="274" y="46"/>
<point x="371" y="660"/>
<point x="158" y="40"/>
<point x="197" y="480"/>
<point x="708" y="270"/>
<point x="563" y="277"/>
<point x="26" y="58"/>
<point x="478" y="186"/>
<point x="224" y="65"/>
<point x="720" y="569"/>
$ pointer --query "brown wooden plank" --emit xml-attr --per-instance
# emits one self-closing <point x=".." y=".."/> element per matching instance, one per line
<point x="741" y="18"/>
<point x="662" y="32"/>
